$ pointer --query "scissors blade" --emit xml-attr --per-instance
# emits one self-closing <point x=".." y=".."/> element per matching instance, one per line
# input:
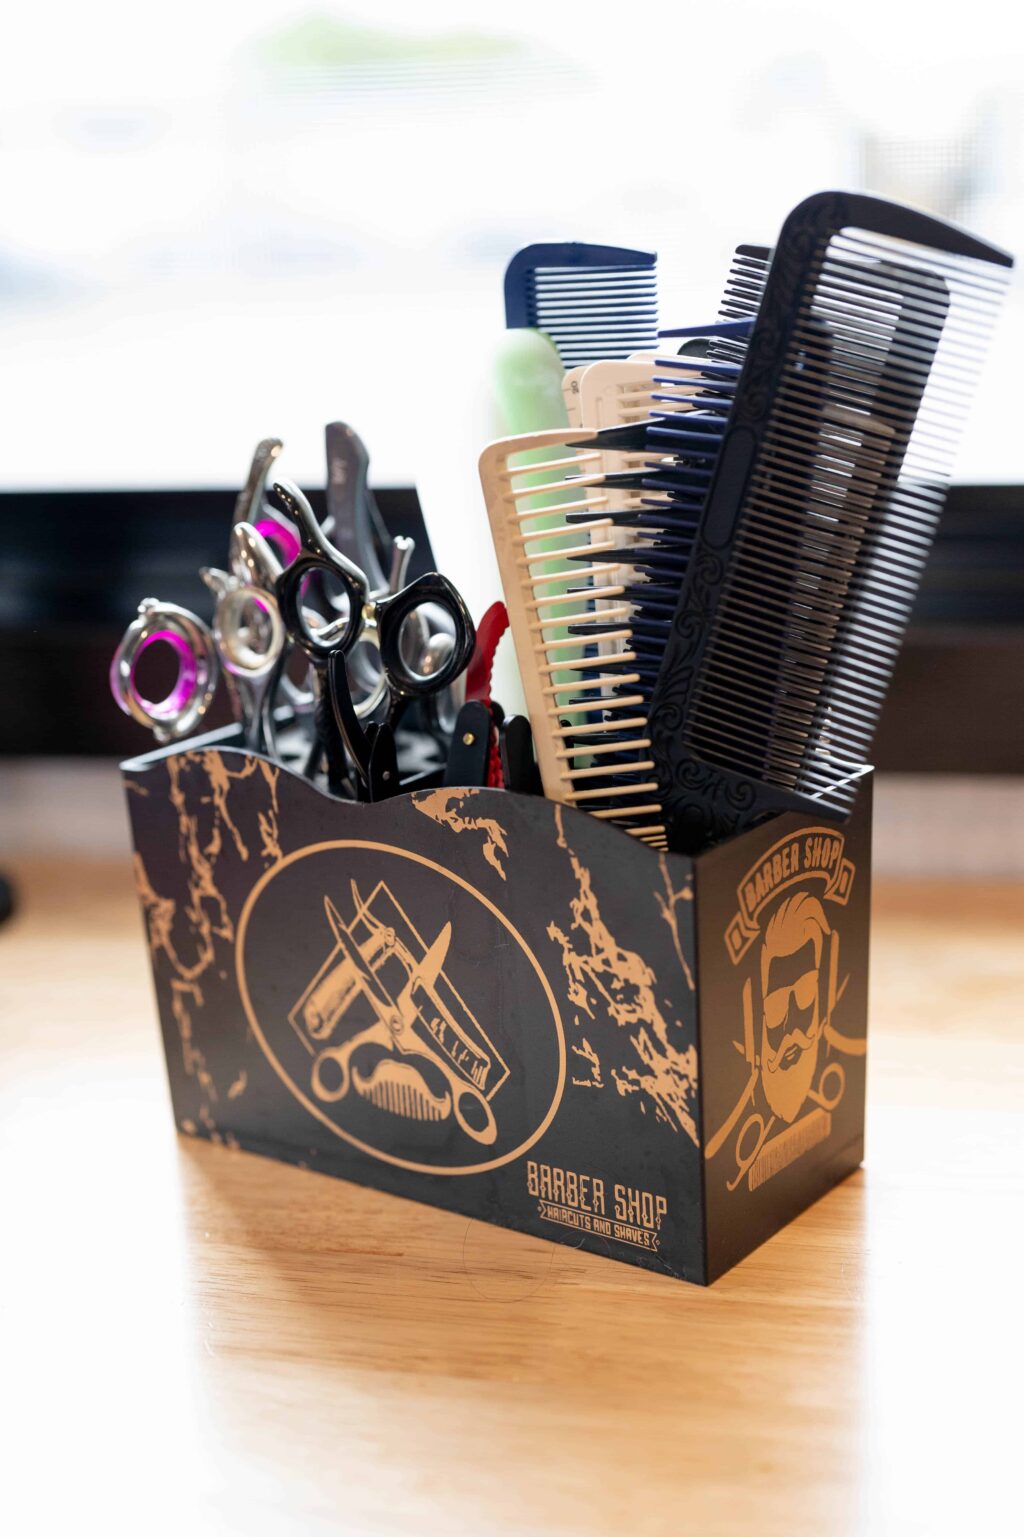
<point x="432" y="964"/>
<point x="383" y="777"/>
<point x="344" y="720"/>
<point x="252" y="559"/>
<point x="247" y="503"/>
<point x="518" y="767"/>
<point x="470" y="750"/>
<point x="350" y="503"/>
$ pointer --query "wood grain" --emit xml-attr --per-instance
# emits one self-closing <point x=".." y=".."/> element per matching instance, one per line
<point x="196" y="1338"/>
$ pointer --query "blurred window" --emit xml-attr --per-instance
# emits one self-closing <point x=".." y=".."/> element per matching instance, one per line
<point x="225" y="221"/>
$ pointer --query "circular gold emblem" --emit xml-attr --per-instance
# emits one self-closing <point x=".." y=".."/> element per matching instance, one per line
<point x="400" y="1007"/>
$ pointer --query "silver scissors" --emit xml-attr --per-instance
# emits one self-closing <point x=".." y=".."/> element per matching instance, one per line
<point x="247" y="631"/>
<point x="246" y="642"/>
<point x="179" y="713"/>
<point x="354" y="525"/>
<point x="391" y="624"/>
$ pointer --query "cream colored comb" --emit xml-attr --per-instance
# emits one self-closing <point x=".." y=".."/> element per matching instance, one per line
<point x="611" y="394"/>
<point x="616" y="392"/>
<point x="571" y="393"/>
<point x="573" y="692"/>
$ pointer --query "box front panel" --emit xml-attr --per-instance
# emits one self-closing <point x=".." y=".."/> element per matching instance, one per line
<point x="469" y="998"/>
<point x="782" y="926"/>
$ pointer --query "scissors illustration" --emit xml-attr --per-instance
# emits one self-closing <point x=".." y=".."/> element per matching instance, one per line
<point x="392" y="624"/>
<point x="409" y="1024"/>
<point x="246" y="643"/>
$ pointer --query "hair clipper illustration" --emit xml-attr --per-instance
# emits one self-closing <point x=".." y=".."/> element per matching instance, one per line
<point x="416" y="1049"/>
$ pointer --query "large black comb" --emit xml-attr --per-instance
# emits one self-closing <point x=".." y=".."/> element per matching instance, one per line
<point x="820" y="512"/>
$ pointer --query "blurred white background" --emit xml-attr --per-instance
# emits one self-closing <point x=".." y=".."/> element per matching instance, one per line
<point x="222" y="221"/>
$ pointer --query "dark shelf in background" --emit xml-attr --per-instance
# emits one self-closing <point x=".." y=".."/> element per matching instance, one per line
<point x="73" y="567"/>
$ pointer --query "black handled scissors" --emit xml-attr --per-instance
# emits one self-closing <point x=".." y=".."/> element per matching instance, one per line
<point x="392" y="623"/>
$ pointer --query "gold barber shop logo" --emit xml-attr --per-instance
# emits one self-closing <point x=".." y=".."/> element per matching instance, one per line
<point x="381" y="988"/>
<point x="784" y="941"/>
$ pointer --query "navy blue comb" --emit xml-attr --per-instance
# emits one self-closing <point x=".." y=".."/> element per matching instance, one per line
<point x="593" y="301"/>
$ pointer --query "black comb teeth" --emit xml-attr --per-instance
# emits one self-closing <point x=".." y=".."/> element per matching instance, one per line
<point x="744" y="287"/>
<point x="821" y="511"/>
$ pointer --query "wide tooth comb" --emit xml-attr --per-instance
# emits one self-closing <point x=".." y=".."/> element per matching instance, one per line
<point x="820" y="514"/>
<point x="563" y="588"/>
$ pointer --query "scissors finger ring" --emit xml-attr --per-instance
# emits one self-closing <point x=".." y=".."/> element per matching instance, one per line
<point x="180" y="711"/>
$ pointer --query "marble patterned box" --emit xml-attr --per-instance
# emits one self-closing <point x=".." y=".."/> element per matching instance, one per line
<point x="499" y="1005"/>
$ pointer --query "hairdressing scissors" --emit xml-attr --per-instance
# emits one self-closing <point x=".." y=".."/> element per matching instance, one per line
<point x="246" y="642"/>
<point x="354" y="524"/>
<point x="409" y="669"/>
<point x="247" y="631"/>
<point x="350" y="508"/>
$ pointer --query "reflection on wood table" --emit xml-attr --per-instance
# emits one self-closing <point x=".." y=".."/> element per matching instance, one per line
<point x="201" y="1339"/>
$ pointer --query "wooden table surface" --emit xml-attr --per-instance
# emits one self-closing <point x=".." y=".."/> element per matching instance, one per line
<point x="201" y="1340"/>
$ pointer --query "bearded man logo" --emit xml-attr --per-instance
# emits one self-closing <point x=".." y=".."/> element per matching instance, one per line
<point x="792" y="1015"/>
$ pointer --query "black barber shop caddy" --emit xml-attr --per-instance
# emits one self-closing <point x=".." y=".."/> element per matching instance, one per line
<point x="501" y="1006"/>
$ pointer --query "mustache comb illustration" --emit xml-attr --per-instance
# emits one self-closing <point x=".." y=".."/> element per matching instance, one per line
<point x="379" y="965"/>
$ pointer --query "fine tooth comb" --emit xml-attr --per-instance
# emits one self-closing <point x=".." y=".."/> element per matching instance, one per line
<point x="400" y="1089"/>
<point x="564" y="588"/>
<point x="593" y="301"/>
<point x="616" y="391"/>
<point x="820" y="513"/>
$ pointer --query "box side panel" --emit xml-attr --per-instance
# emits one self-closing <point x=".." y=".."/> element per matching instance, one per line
<point x="473" y="999"/>
<point x="782" y="941"/>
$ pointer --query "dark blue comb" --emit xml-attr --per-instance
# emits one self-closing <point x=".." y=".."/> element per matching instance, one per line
<point x="593" y="301"/>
